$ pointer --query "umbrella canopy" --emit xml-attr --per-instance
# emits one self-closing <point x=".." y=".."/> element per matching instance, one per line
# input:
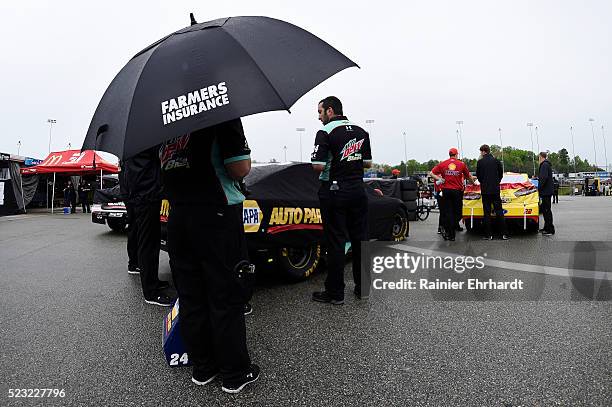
<point x="73" y="162"/>
<point x="206" y="74"/>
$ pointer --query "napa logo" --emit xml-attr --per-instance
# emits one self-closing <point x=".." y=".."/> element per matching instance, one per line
<point x="295" y="216"/>
<point x="350" y="151"/>
<point x="251" y="216"/>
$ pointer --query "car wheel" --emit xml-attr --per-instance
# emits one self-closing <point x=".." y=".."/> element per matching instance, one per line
<point x="399" y="230"/>
<point x="116" y="225"/>
<point x="299" y="263"/>
<point x="422" y="212"/>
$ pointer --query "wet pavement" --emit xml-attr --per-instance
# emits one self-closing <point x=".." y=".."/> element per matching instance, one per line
<point x="74" y="319"/>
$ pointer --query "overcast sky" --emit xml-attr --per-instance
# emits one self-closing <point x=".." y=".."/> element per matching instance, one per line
<point x="424" y="65"/>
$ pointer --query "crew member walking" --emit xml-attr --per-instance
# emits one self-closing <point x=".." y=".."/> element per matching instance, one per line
<point x="341" y="151"/>
<point x="452" y="172"/>
<point x="546" y="189"/>
<point x="142" y="175"/>
<point x="489" y="172"/>
<point x="201" y="172"/>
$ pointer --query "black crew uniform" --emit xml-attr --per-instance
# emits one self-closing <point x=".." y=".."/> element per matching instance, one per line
<point x="342" y="147"/>
<point x="141" y="175"/>
<point x="132" y="231"/>
<point x="207" y="246"/>
<point x="84" y="191"/>
<point x="489" y="172"/>
<point x="546" y="190"/>
<point x="555" y="198"/>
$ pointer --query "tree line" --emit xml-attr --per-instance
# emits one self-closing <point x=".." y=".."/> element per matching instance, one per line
<point x="514" y="159"/>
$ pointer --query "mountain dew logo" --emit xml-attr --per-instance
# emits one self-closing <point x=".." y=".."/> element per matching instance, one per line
<point x="350" y="151"/>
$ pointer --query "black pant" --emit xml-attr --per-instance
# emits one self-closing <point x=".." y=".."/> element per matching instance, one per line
<point x="73" y="205"/>
<point x="547" y="214"/>
<point x="86" y="206"/>
<point x="132" y="243"/>
<point x="493" y="200"/>
<point x="205" y="245"/>
<point x="149" y="235"/>
<point x="556" y="197"/>
<point x="452" y="201"/>
<point x="441" y="211"/>
<point x="345" y="218"/>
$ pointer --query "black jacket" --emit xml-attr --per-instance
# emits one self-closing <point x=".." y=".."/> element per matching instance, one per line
<point x="140" y="177"/>
<point x="545" y="179"/>
<point x="489" y="172"/>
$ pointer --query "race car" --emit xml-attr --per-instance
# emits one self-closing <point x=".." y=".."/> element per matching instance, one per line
<point x="520" y="201"/>
<point x="108" y="209"/>
<point x="282" y="218"/>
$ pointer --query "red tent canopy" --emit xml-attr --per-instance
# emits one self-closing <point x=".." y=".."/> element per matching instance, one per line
<point x="72" y="162"/>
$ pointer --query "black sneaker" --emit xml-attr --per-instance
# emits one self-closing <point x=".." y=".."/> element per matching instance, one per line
<point x="487" y="238"/>
<point x="162" y="300"/>
<point x="163" y="284"/>
<point x="440" y="230"/>
<point x="505" y="237"/>
<point x="547" y="233"/>
<point x="133" y="269"/>
<point x="236" y="386"/>
<point x="248" y="309"/>
<point x="202" y="377"/>
<point x="324" y="296"/>
<point x="459" y="229"/>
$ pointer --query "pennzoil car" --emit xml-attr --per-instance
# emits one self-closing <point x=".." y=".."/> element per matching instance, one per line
<point x="520" y="201"/>
<point x="282" y="218"/>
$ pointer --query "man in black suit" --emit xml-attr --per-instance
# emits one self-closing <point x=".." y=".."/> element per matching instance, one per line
<point x="489" y="172"/>
<point x="546" y="190"/>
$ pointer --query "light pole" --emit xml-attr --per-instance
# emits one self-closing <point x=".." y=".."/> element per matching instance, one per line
<point x="405" y="154"/>
<point x="18" y="146"/>
<point x="594" y="149"/>
<point x="300" y="130"/>
<point x="537" y="139"/>
<point x="458" y="142"/>
<point x="530" y="125"/>
<point x="285" y="149"/>
<point x="502" y="150"/>
<point x="603" y="136"/>
<point x="51" y="123"/>
<point x="460" y="146"/>
<point x="573" y="150"/>
<point x="69" y="145"/>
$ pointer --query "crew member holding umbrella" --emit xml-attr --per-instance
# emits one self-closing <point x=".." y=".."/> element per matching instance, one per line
<point x="208" y="255"/>
<point x="198" y="82"/>
<point x="342" y="150"/>
<point x="452" y="173"/>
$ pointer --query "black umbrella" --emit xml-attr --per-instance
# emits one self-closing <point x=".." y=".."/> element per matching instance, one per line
<point x="206" y="74"/>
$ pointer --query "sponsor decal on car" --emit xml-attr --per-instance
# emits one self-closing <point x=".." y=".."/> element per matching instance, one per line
<point x="251" y="216"/>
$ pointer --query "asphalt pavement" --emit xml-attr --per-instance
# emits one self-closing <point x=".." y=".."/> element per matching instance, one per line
<point x="74" y="319"/>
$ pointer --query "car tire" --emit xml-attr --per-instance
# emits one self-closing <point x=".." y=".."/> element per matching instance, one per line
<point x="409" y="196"/>
<point x="297" y="264"/>
<point x="116" y="225"/>
<point x="408" y="185"/>
<point x="401" y="227"/>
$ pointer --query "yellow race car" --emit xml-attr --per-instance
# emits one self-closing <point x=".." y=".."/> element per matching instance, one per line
<point x="520" y="201"/>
